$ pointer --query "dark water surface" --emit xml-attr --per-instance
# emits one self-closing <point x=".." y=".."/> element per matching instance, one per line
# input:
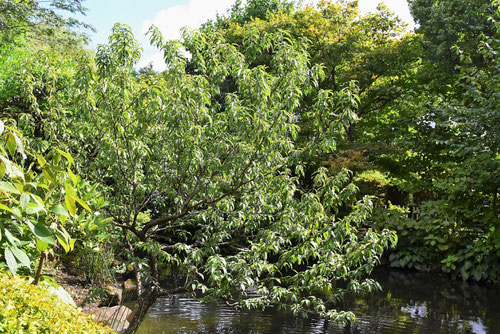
<point x="411" y="302"/>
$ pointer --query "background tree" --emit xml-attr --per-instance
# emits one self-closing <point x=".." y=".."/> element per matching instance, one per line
<point x="372" y="50"/>
<point x="242" y="13"/>
<point x="38" y="18"/>
<point x="448" y="24"/>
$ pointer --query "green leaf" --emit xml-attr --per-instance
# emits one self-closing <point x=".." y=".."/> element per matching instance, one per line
<point x="34" y="208"/>
<point x="83" y="204"/>
<point x="41" y="245"/>
<point x="25" y="199"/>
<point x="2" y="169"/>
<point x="60" y="210"/>
<point x="43" y="233"/>
<point x="47" y="175"/>
<point x="8" y="187"/>
<point x="19" y="144"/>
<point x="67" y="156"/>
<point x="11" y="168"/>
<point x="6" y="208"/>
<point x="10" y="140"/>
<point x="63" y="243"/>
<point x="62" y="294"/>
<point x="72" y="243"/>
<point x="70" y="204"/>
<point x="69" y="189"/>
<point x="12" y="239"/>
<point x="73" y="177"/>
<point x="41" y="160"/>
<point x="11" y="260"/>
<point x="21" y="256"/>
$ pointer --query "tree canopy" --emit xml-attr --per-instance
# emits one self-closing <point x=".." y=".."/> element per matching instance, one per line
<point x="219" y="172"/>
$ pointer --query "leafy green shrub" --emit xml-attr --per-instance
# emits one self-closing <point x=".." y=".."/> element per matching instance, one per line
<point x="26" y="308"/>
<point x="39" y="195"/>
<point x="436" y="238"/>
<point x="372" y="182"/>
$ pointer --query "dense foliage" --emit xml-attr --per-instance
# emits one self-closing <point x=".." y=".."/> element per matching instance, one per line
<point x="425" y="142"/>
<point x="214" y="168"/>
<point x="36" y="203"/>
<point x="26" y="308"/>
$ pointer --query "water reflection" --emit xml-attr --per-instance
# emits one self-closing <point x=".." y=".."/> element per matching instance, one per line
<point x="410" y="303"/>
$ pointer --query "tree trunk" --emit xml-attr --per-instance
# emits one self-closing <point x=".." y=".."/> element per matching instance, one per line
<point x="40" y="268"/>
<point x="146" y="301"/>
<point x="350" y="133"/>
<point x="145" y="298"/>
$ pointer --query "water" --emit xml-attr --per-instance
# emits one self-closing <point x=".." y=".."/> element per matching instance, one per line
<point x="411" y="302"/>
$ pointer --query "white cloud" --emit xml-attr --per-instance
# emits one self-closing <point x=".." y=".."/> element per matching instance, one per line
<point x="171" y="20"/>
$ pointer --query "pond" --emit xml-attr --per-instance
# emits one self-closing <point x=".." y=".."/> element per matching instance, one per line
<point x="411" y="302"/>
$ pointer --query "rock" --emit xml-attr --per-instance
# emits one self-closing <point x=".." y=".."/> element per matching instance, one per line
<point x="116" y="317"/>
<point x="114" y="295"/>
<point x="130" y="316"/>
<point x="129" y="286"/>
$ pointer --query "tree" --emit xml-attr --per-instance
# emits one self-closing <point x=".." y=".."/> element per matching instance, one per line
<point x="35" y="80"/>
<point x="214" y="171"/>
<point x="38" y="55"/>
<point x="373" y="50"/>
<point x="446" y="135"/>
<point x="38" y="18"/>
<point x="454" y="146"/>
<point x="252" y="9"/>
<point x="455" y="23"/>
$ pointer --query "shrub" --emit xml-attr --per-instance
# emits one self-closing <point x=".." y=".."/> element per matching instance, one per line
<point x="26" y="308"/>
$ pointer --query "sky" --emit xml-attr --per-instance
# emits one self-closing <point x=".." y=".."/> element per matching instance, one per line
<point x="171" y="15"/>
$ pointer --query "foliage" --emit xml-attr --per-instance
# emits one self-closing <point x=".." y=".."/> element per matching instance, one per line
<point x="230" y="166"/>
<point x="252" y="9"/>
<point x="38" y="18"/>
<point x="214" y="169"/>
<point x="36" y="75"/>
<point x="38" y="201"/>
<point x="373" y="50"/>
<point x="453" y="23"/>
<point x="454" y="153"/>
<point x="28" y="308"/>
<point x="35" y="78"/>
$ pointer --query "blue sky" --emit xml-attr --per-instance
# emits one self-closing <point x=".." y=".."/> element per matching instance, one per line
<point x="171" y="15"/>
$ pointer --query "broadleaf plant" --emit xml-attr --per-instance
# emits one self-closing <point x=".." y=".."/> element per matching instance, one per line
<point x="209" y="148"/>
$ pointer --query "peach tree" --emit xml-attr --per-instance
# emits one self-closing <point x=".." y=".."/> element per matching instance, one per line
<point x="207" y="150"/>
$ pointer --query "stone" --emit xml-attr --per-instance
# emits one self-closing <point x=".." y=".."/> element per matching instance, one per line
<point x="130" y="316"/>
<point x="114" y="295"/>
<point x="129" y="286"/>
<point x="116" y="317"/>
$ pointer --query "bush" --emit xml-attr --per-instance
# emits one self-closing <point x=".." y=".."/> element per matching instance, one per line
<point x="26" y="308"/>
